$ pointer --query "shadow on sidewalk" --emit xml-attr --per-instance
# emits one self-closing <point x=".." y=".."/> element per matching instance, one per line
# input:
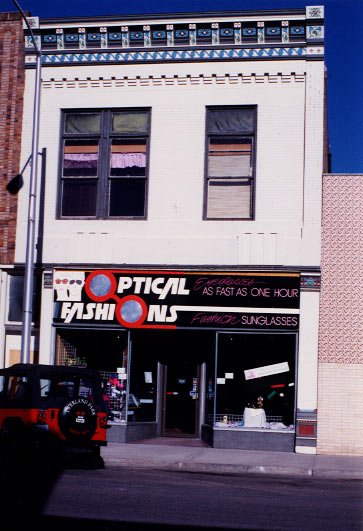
<point x="29" y="471"/>
<point x="72" y="524"/>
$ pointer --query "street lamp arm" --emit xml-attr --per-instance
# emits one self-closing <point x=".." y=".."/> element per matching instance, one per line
<point x="37" y="50"/>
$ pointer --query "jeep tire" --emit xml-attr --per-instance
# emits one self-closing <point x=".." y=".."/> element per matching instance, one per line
<point x="78" y="419"/>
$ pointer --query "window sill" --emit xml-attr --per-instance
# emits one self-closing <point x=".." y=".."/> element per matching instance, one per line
<point x="258" y="430"/>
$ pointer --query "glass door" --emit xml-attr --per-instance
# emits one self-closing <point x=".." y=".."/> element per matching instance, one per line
<point x="181" y="398"/>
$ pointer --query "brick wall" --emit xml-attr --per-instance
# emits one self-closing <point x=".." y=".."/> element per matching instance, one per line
<point x="11" y="109"/>
<point x="340" y="388"/>
<point x="340" y="419"/>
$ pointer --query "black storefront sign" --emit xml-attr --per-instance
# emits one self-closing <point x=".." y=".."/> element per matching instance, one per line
<point x="174" y="299"/>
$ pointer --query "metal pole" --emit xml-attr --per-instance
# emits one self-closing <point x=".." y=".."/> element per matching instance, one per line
<point x="30" y="240"/>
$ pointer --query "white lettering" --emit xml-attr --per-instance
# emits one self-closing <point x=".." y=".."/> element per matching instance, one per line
<point x="101" y="312"/>
<point x="66" y="307"/>
<point x="160" y="286"/>
<point x="182" y="289"/>
<point x="173" y="315"/>
<point x="77" y="308"/>
<point x="147" y="285"/>
<point x="138" y="283"/>
<point x="171" y="285"/>
<point x="90" y="311"/>
<point x="155" y="285"/>
<point x="124" y="283"/>
<point x="157" y="313"/>
<point x="111" y="313"/>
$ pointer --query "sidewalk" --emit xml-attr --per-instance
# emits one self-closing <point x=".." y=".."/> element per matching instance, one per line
<point x="217" y="461"/>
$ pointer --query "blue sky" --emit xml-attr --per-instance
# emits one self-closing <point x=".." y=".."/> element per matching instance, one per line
<point x="344" y="54"/>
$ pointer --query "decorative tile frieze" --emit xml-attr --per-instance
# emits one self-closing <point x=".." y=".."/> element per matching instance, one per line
<point x="93" y="37"/>
<point x="114" y="37"/>
<point x="33" y="23"/>
<point x="29" y="41"/>
<point x="285" y="31"/>
<point x="297" y="31"/>
<point x="192" y="34"/>
<point x="159" y="35"/>
<point x="314" y="50"/>
<point x="104" y="40"/>
<point x="71" y="38"/>
<point x="179" y="34"/>
<point x="273" y="31"/>
<point x="226" y="32"/>
<point x="205" y="32"/>
<point x="249" y="32"/>
<point x="315" y="32"/>
<point x="60" y="38"/>
<point x="310" y="282"/>
<point x="314" y="11"/>
<point x="136" y="36"/>
<point x="147" y="36"/>
<point x="125" y="37"/>
<point x="82" y="37"/>
<point x="237" y="33"/>
<point x="30" y="59"/>
<point x="170" y="35"/>
<point x="260" y="32"/>
<point x="177" y="55"/>
<point x="215" y="33"/>
<point x="306" y="426"/>
<point x="50" y="39"/>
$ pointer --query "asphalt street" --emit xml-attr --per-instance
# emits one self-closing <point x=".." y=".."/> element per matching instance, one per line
<point x="130" y="499"/>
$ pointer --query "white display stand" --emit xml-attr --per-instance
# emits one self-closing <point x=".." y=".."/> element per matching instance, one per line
<point x="254" y="418"/>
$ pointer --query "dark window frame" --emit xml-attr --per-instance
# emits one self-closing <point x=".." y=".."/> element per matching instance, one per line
<point x="105" y="137"/>
<point x="250" y="136"/>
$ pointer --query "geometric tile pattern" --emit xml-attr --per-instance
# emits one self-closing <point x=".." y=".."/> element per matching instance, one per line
<point x="306" y="424"/>
<point x="341" y="316"/>
<point x="172" y="55"/>
<point x="171" y="34"/>
<point x="310" y="283"/>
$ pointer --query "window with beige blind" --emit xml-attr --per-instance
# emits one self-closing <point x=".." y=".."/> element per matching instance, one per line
<point x="104" y="162"/>
<point x="230" y="162"/>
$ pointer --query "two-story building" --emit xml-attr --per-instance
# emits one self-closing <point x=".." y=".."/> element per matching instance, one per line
<point x="180" y="219"/>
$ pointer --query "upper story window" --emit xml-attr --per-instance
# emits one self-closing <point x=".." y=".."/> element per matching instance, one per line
<point x="104" y="164"/>
<point x="230" y="164"/>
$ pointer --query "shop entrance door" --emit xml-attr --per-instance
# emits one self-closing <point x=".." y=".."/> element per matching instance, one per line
<point x="181" y="398"/>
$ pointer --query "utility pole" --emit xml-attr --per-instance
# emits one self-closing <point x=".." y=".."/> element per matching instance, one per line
<point x="30" y="239"/>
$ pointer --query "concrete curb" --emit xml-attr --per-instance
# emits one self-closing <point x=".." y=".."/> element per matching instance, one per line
<point x="235" y="469"/>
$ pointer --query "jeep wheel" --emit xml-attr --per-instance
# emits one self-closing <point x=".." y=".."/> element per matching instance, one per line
<point x="78" y="419"/>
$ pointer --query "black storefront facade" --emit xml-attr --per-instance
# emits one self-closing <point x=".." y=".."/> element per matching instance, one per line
<point x="198" y="353"/>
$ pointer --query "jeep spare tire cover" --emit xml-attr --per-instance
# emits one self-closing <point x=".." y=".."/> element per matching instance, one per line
<point x="78" y="419"/>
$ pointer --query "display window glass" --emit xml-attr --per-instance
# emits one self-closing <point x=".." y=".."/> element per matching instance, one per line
<point x="106" y="352"/>
<point x="255" y="381"/>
